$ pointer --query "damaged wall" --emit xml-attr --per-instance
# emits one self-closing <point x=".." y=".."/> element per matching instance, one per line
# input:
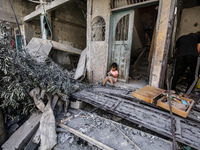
<point x="69" y="26"/>
<point x="97" y="53"/>
<point x="21" y="7"/>
<point x="190" y="21"/>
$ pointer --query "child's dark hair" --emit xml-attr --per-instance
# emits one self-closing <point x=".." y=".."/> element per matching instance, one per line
<point x="114" y="65"/>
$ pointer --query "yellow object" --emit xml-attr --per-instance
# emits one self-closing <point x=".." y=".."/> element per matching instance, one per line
<point x="198" y="83"/>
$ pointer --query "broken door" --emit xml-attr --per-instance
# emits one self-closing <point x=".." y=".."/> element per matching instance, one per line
<point x="121" y="40"/>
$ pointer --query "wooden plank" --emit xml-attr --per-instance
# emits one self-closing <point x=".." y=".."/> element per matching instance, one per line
<point x="194" y="115"/>
<point x="48" y="8"/>
<point x="137" y="5"/>
<point x="81" y="68"/>
<point x="23" y="134"/>
<point x="86" y="138"/>
<point x="148" y="93"/>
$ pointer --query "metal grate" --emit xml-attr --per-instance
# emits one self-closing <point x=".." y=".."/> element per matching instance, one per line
<point x="120" y="3"/>
<point x="121" y="33"/>
<point x="98" y="29"/>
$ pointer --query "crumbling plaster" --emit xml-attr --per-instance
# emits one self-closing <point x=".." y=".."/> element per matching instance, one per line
<point x="190" y="21"/>
<point x="69" y="26"/>
<point x="21" y="7"/>
<point x="97" y="53"/>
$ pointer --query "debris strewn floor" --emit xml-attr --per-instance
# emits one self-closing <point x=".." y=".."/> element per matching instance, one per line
<point x="156" y="120"/>
<point x="110" y="133"/>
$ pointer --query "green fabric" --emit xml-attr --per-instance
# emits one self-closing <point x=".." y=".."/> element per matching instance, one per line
<point x="187" y="148"/>
<point x="171" y="98"/>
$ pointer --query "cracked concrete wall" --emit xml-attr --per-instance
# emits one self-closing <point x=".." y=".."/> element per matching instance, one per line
<point x="190" y="21"/>
<point x="97" y="53"/>
<point x="69" y="26"/>
<point x="21" y="7"/>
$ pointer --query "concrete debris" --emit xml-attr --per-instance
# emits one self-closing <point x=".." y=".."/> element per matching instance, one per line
<point x="141" y="114"/>
<point x="23" y="134"/>
<point x="116" y="136"/>
<point x="63" y="137"/>
<point x="38" y="79"/>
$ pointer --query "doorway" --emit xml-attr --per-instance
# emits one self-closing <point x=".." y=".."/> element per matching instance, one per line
<point x="131" y="38"/>
<point x="121" y="36"/>
<point x="187" y="21"/>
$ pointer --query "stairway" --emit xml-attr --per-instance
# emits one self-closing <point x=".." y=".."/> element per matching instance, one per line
<point x="140" y="67"/>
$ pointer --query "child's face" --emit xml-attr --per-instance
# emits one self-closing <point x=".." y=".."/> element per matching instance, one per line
<point x="113" y="68"/>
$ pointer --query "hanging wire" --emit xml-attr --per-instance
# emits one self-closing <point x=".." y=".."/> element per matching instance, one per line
<point x="15" y="17"/>
<point x="47" y="22"/>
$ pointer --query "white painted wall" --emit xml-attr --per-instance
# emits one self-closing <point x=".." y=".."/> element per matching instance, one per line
<point x="189" y="17"/>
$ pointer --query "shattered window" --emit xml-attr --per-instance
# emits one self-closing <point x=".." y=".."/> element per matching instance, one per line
<point x="121" y="33"/>
<point x="98" y="29"/>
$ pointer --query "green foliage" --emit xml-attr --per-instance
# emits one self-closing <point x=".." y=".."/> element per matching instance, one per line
<point x="20" y="73"/>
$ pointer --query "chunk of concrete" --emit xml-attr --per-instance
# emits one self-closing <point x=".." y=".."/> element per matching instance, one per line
<point x="81" y="68"/>
<point x="23" y="134"/>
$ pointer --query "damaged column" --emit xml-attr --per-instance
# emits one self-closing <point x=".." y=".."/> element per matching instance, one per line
<point x="162" y="42"/>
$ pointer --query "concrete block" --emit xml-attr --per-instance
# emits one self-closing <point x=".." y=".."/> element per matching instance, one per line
<point x="76" y="104"/>
<point x="23" y="134"/>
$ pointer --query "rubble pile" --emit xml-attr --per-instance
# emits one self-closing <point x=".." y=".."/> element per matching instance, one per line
<point x="110" y="133"/>
<point x="20" y="73"/>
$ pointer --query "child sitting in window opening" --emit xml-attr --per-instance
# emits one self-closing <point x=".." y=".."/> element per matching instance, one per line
<point x="112" y="75"/>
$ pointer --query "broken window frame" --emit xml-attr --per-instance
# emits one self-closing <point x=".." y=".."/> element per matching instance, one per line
<point x="121" y="31"/>
<point x="98" y="29"/>
<point x="120" y="3"/>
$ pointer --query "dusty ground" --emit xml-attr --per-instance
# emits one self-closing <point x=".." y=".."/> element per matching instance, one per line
<point x="108" y="133"/>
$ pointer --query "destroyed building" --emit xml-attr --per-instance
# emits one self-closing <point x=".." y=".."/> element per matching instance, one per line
<point x="66" y="19"/>
<point x="144" y="31"/>
<point x="88" y="36"/>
